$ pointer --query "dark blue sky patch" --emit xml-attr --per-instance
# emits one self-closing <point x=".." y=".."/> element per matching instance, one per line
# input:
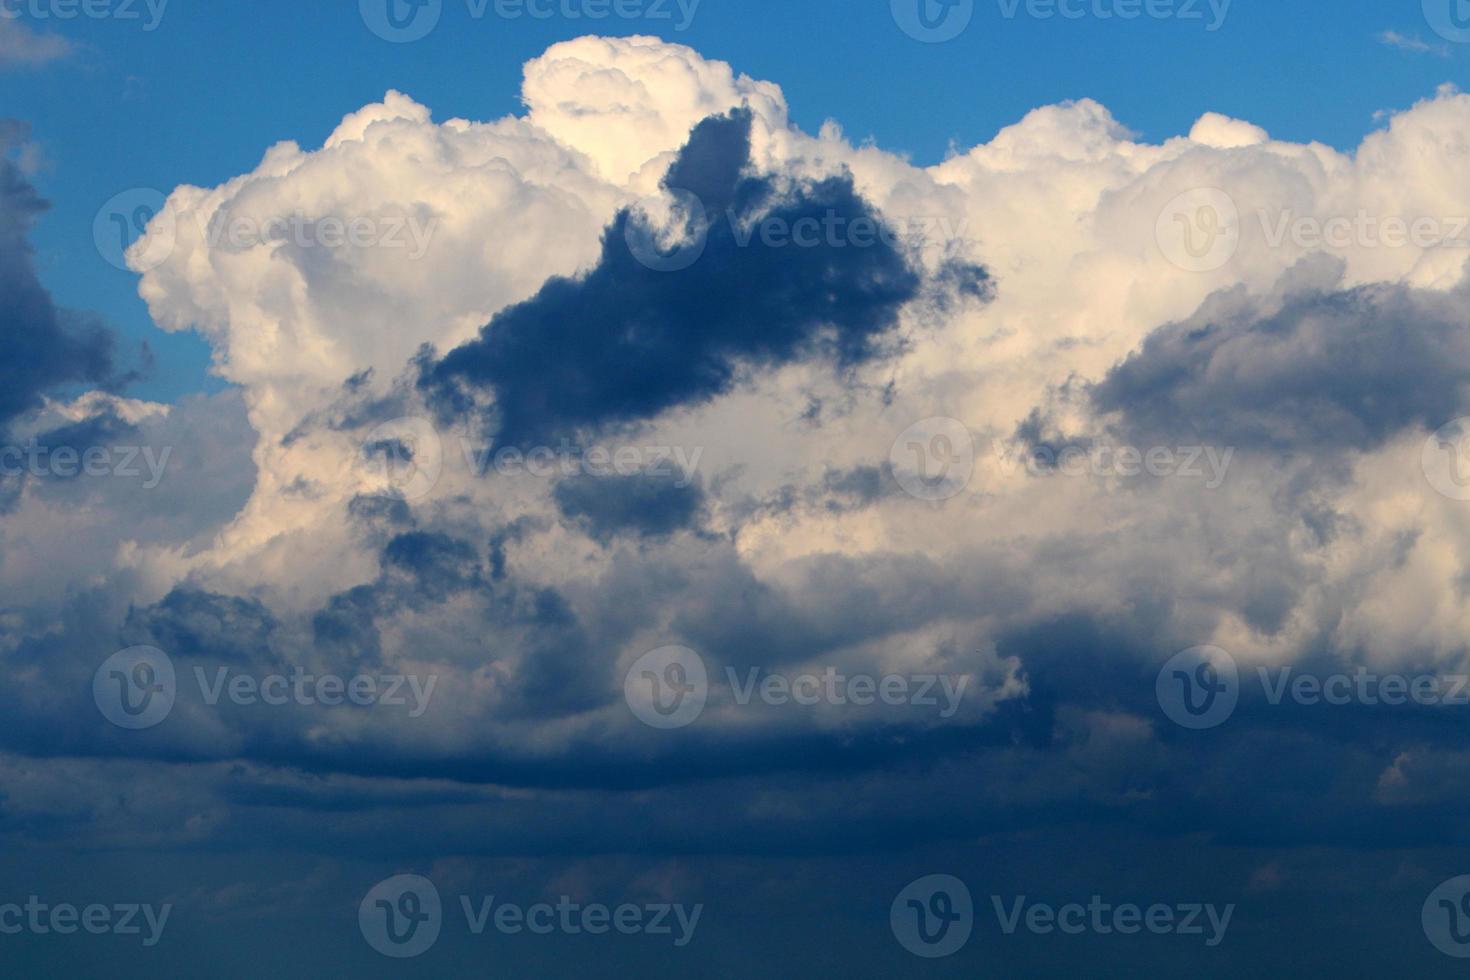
<point x="643" y="504"/>
<point x="41" y="346"/>
<point x="628" y="342"/>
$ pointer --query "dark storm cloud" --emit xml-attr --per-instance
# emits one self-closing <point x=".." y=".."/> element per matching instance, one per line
<point x="194" y="624"/>
<point x="627" y="342"/>
<point x="439" y="565"/>
<point x="422" y="570"/>
<point x="1329" y="369"/>
<point x="41" y="346"/>
<point x="648" y="504"/>
<point x="1044" y="443"/>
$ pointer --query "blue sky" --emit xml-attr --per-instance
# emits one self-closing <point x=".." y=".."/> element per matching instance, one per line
<point x="199" y="98"/>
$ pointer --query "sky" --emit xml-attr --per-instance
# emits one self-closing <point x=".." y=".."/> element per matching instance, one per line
<point x="890" y="489"/>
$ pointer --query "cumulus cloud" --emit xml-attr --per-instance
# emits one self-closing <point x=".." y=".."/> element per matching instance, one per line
<point x="1317" y="369"/>
<point x="1027" y="290"/>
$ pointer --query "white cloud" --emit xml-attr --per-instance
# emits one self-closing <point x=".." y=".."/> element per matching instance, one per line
<point x="1063" y="207"/>
<point x="1405" y="42"/>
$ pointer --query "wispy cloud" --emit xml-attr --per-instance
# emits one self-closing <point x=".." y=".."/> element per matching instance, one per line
<point x="1406" y="43"/>
<point x="21" y="48"/>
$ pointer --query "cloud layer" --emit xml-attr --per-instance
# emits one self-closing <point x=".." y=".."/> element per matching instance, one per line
<point x="522" y="451"/>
